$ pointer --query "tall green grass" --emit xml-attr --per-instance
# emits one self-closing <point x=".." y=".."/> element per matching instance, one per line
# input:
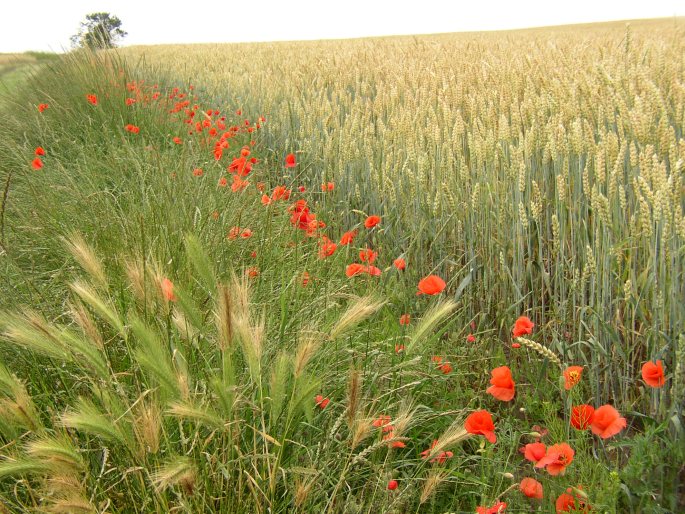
<point x="115" y="398"/>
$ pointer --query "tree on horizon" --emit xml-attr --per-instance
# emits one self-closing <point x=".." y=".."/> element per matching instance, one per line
<point x="100" y="30"/>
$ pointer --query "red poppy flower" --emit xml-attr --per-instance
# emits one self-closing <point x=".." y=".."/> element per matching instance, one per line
<point x="480" y="422"/>
<point x="381" y="421"/>
<point x="392" y="485"/>
<point x="266" y="200"/>
<point x="177" y="140"/>
<point x="607" y="422"/>
<point x="197" y="172"/>
<point x="399" y="348"/>
<point x="497" y="508"/>
<point x="534" y="451"/>
<point x="523" y="326"/>
<point x="399" y="263"/>
<point x="329" y="186"/>
<point x="557" y="458"/>
<point x="470" y="338"/>
<point x="503" y="386"/>
<point x="581" y="416"/>
<point x="245" y="234"/>
<point x="531" y="488"/>
<point x="41" y="151"/>
<point x="653" y="373"/>
<point x="92" y="99"/>
<point x="566" y="502"/>
<point x="572" y="376"/>
<point x="233" y="233"/>
<point x="42" y="107"/>
<point x="372" y="221"/>
<point x="326" y="248"/>
<point x="431" y="285"/>
<point x="238" y="184"/>
<point x="321" y="402"/>
<point x="168" y="290"/>
<point x="222" y="182"/>
<point x="37" y="163"/>
<point x="305" y="278"/>
<point x="404" y="319"/>
<point x="355" y="269"/>
<point x="348" y="237"/>
<point x="253" y="272"/>
<point x="367" y="255"/>
<point x="130" y="101"/>
<point x="290" y="161"/>
<point x="445" y="367"/>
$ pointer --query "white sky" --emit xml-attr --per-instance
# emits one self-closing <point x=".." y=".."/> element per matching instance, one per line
<point x="47" y="24"/>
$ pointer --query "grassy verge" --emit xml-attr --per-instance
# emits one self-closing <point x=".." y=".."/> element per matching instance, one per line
<point x="197" y="345"/>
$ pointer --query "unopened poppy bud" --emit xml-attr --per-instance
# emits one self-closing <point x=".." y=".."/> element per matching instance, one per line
<point x="508" y="475"/>
<point x="537" y="435"/>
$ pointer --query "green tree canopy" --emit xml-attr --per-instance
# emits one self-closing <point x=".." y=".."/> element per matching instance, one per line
<point x="99" y="30"/>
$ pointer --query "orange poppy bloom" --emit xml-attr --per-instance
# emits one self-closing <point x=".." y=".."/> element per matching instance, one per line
<point x="246" y="233"/>
<point x="37" y="163"/>
<point x="348" y="237"/>
<point x="431" y="285"/>
<point x="399" y="263"/>
<point x="534" y="451"/>
<point x="480" y="422"/>
<point x="567" y="502"/>
<point x="523" y="326"/>
<point x="653" y="373"/>
<point x="222" y="182"/>
<point x="326" y="248"/>
<point x="321" y="402"/>
<point x="266" y="200"/>
<point x="503" y="386"/>
<point x="92" y="99"/>
<point x="233" y="233"/>
<point x="367" y="255"/>
<point x="470" y="338"/>
<point x="404" y="319"/>
<point x="168" y="290"/>
<point x="607" y="422"/>
<point x="253" y="272"/>
<point x="445" y="367"/>
<point x="399" y="348"/>
<point x="198" y="172"/>
<point x="381" y="421"/>
<point x="42" y="107"/>
<point x="531" y="488"/>
<point x="238" y="184"/>
<point x="572" y="376"/>
<point x="581" y="416"/>
<point x="497" y="508"/>
<point x="290" y="161"/>
<point x="41" y="151"/>
<point x="177" y="140"/>
<point x="372" y="221"/>
<point x="329" y="186"/>
<point x="558" y="456"/>
<point x="355" y="269"/>
<point x="392" y="485"/>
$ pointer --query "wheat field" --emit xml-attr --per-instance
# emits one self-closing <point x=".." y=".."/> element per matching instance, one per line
<point x="545" y="165"/>
<point x="436" y="273"/>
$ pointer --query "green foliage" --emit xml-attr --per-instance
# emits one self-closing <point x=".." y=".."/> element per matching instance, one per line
<point x="99" y="31"/>
<point x="123" y="395"/>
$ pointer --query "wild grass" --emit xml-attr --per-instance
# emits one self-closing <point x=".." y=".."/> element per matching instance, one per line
<point x="535" y="171"/>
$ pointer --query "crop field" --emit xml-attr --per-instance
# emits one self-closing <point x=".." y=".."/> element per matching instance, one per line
<point x="439" y="273"/>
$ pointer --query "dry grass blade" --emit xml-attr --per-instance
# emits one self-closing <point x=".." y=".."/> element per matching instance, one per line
<point x="360" y="309"/>
<point x="86" y="258"/>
